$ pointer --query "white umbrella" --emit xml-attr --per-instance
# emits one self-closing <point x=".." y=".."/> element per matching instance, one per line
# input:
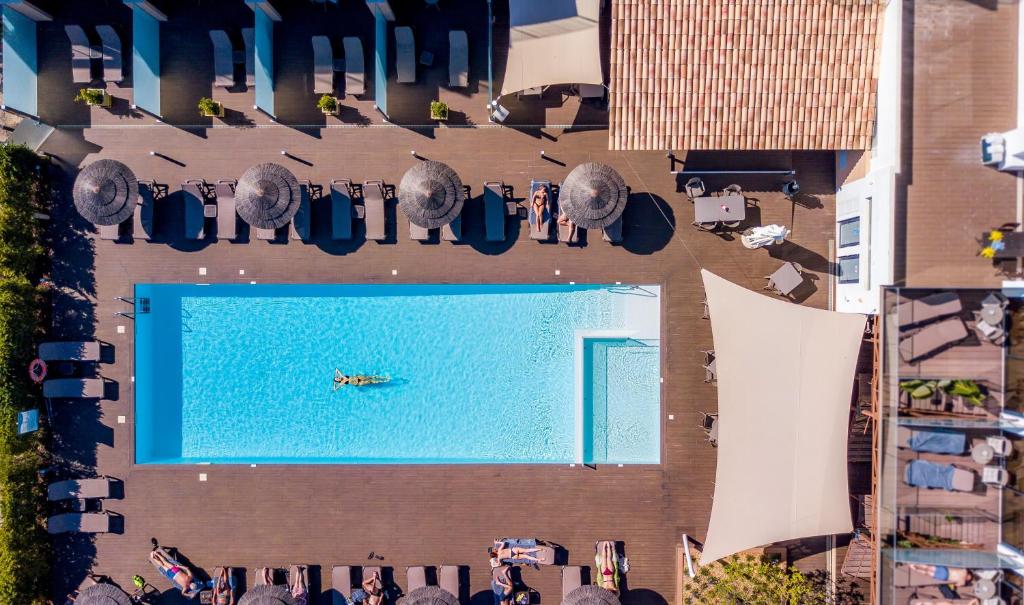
<point x="759" y="237"/>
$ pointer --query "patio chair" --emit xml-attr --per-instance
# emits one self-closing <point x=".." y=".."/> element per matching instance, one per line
<point x="931" y="475"/>
<point x="706" y="314"/>
<point x="223" y="59"/>
<point x="458" y="59"/>
<point x="88" y="350"/>
<point x="545" y="554"/>
<point x="249" y="39"/>
<point x="994" y="334"/>
<point x="415" y="577"/>
<point x="323" y="66"/>
<point x="496" y="209"/>
<point x="928" y="308"/>
<point x="932" y="338"/>
<point x="567" y="234"/>
<point x="995" y="476"/>
<point x="935" y="441"/>
<point x="341" y="209"/>
<point x="194" y="200"/>
<point x="452" y="232"/>
<point x="302" y="222"/>
<point x="81" y="54"/>
<point x="79" y="489"/>
<point x="710" y="369"/>
<point x="709" y="424"/>
<point x="613" y="232"/>
<point x="405" y="55"/>
<point x="341" y="585"/>
<point x="544" y="233"/>
<point x="79" y="523"/>
<point x="572" y="578"/>
<point x="373" y="207"/>
<point x="73" y="388"/>
<point x="227" y="215"/>
<point x="112" y="71"/>
<point x="417" y="233"/>
<point x="143" y="225"/>
<point x="109" y="232"/>
<point x="694" y="188"/>
<point x="448" y="579"/>
<point x="355" y="77"/>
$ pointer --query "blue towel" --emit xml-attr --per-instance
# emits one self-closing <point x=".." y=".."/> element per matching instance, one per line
<point x="921" y="473"/>
<point x="938" y="442"/>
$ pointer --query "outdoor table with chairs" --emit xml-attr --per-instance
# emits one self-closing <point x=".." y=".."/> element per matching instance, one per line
<point x="786" y="278"/>
<point x="728" y="210"/>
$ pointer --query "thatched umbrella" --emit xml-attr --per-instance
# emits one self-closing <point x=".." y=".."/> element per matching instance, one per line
<point x="591" y="595"/>
<point x="267" y="196"/>
<point x="593" y="196"/>
<point x="266" y="594"/>
<point x="105" y="192"/>
<point x="102" y="594"/>
<point x="430" y="595"/>
<point x="431" y="194"/>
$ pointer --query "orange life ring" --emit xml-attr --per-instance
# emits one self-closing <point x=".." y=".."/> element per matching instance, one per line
<point x="37" y="370"/>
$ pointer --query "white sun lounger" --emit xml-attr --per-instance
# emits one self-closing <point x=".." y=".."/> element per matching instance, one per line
<point x="73" y="388"/>
<point x="143" y="227"/>
<point x="373" y="204"/>
<point x="448" y="579"/>
<point x="268" y="235"/>
<point x="110" y="232"/>
<point x="323" y="66"/>
<point x="112" y="71"/>
<point x="452" y="232"/>
<point x="355" y="77"/>
<point x="415" y="577"/>
<point x="613" y="232"/>
<point x="302" y="222"/>
<point x="79" y="523"/>
<point x="341" y="209"/>
<point x="79" y="489"/>
<point x="417" y="233"/>
<point x="248" y="37"/>
<point x="458" y="59"/>
<point x="405" y="55"/>
<point x="70" y="351"/>
<point x="341" y="584"/>
<point x="223" y="59"/>
<point x="81" y="54"/>
<point x="194" y="200"/>
<point x="227" y="216"/>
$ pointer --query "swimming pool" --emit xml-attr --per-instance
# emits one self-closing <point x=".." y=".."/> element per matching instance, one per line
<point x="239" y="373"/>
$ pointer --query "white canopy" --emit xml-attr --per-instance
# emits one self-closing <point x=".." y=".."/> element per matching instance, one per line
<point x="785" y="378"/>
<point x="552" y="42"/>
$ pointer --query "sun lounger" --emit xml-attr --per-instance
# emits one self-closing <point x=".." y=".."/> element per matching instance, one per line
<point x="79" y="489"/>
<point x="572" y="578"/>
<point x="194" y="200"/>
<point x="373" y="204"/>
<point x="189" y="592"/>
<point x="613" y="232"/>
<point x="341" y="209"/>
<point x="302" y="222"/>
<point x="248" y="38"/>
<point x="545" y="554"/>
<point x="936" y="441"/>
<point x="223" y="59"/>
<point x="298" y="583"/>
<point x="227" y="216"/>
<point x="405" y="55"/>
<point x="341" y="585"/>
<point x="81" y="54"/>
<point x="355" y="77"/>
<point x="79" y="523"/>
<point x="904" y="577"/>
<point x="109" y="232"/>
<point x="932" y="338"/>
<point x="416" y="577"/>
<point x="495" y="211"/>
<point x="70" y="351"/>
<point x="452" y="232"/>
<point x="458" y="59"/>
<point x="417" y="233"/>
<point x="931" y="475"/>
<point x="568" y="234"/>
<point x="268" y="235"/>
<point x="933" y="306"/>
<point x="73" y="388"/>
<point x="112" y="71"/>
<point x="448" y="579"/>
<point x="264" y="576"/>
<point x="143" y="227"/>
<point x="544" y="233"/>
<point x="323" y="66"/>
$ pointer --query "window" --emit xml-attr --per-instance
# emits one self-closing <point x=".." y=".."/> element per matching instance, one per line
<point x="849" y="269"/>
<point x="849" y="232"/>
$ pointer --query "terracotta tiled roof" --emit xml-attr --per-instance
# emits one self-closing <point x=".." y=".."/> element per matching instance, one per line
<point x="743" y="74"/>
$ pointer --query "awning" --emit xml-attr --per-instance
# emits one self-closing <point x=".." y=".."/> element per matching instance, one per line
<point x="785" y="378"/>
<point x="552" y="42"/>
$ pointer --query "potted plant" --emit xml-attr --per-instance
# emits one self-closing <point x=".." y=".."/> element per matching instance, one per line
<point x="93" y="96"/>
<point x="438" y="110"/>
<point x="328" y="105"/>
<point x="208" y="108"/>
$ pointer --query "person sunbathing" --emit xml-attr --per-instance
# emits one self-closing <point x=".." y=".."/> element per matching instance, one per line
<point x="607" y="565"/>
<point x="957" y="576"/>
<point x="563" y="220"/>
<point x="501" y="584"/>
<point x="504" y="552"/>
<point x="223" y="591"/>
<point x="374" y="589"/>
<point x="540" y="205"/>
<point x="358" y="380"/>
<point x="299" y="589"/>
<point x="180" y="576"/>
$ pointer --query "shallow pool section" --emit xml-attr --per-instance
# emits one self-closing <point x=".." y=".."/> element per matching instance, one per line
<point x="478" y="374"/>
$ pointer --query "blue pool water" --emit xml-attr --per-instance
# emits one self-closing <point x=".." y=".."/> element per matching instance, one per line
<point x="480" y="374"/>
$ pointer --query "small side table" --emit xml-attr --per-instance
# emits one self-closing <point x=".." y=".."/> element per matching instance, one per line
<point x="210" y="210"/>
<point x="983" y="453"/>
<point x="426" y="58"/>
<point x="984" y="588"/>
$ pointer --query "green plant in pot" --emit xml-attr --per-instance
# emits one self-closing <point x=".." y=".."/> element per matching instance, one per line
<point x="438" y="110"/>
<point x="968" y="390"/>
<point x="93" y="96"/>
<point x="919" y="389"/>
<point x="328" y="105"/>
<point x="208" y="108"/>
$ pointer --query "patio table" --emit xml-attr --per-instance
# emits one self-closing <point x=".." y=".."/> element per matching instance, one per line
<point x="786" y="279"/>
<point x="726" y="209"/>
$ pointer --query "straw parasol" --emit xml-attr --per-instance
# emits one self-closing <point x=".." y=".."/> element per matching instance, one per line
<point x="267" y="594"/>
<point x="430" y="595"/>
<point x="267" y="196"/>
<point x="105" y="192"/>
<point x="431" y="194"/>
<point x="591" y="595"/>
<point x="102" y="594"/>
<point x="593" y="196"/>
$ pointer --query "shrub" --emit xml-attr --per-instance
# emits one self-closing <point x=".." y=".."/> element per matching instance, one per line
<point x="92" y="96"/>
<point x="750" y="579"/>
<point x="438" y="110"/>
<point x="208" y="107"/>
<point x="327" y="103"/>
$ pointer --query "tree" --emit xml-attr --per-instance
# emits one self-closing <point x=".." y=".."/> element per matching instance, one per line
<point x="748" y="580"/>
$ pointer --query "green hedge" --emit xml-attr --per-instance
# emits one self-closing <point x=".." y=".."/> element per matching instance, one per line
<point x="24" y="544"/>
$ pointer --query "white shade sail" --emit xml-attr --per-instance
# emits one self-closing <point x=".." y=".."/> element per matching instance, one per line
<point x="785" y="379"/>
<point x="552" y="42"/>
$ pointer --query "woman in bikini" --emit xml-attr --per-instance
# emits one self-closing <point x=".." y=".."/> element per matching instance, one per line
<point x="501" y="585"/>
<point x="503" y="552"/>
<point x="540" y="206"/>
<point x="608" y="566"/>
<point x="223" y="591"/>
<point x="374" y="589"/>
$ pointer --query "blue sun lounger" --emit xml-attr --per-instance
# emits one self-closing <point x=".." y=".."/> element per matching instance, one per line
<point x="935" y="441"/>
<point x="922" y="473"/>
